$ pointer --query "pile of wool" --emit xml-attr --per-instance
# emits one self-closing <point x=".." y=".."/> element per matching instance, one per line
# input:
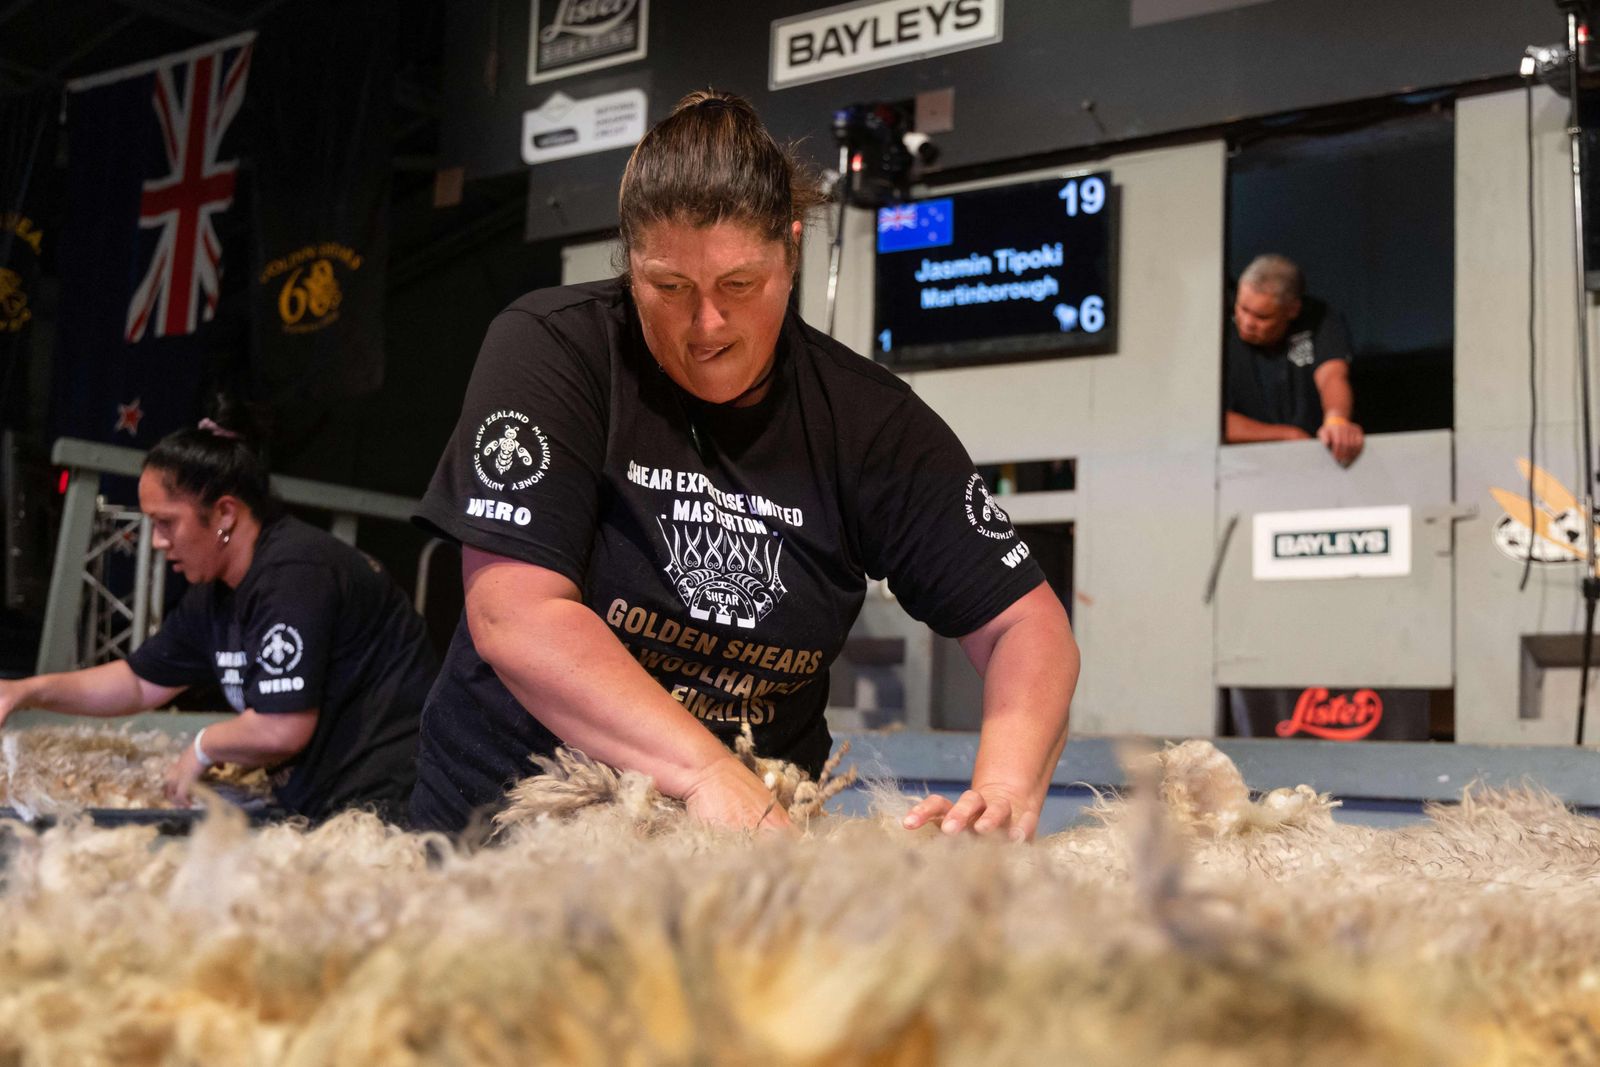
<point x="1189" y="924"/>
<point x="569" y="783"/>
<point x="55" y="770"/>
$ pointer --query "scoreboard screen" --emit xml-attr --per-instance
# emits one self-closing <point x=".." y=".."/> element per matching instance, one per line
<point x="993" y="275"/>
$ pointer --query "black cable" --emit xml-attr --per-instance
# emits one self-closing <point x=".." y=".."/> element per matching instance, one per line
<point x="1591" y="584"/>
<point x="1533" y="362"/>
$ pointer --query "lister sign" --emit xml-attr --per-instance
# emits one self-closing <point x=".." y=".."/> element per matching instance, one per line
<point x="1333" y="543"/>
<point x="878" y="33"/>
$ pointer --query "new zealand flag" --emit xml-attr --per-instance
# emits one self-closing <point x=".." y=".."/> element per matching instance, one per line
<point x="153" y="236"/>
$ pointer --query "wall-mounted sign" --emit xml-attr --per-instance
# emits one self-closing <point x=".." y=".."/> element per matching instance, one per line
<point x="573" y="36"/>
<point x="876" y="33"/>
<point x="1549" y="528"/>
<point x="563" y="127"/>
<point x="1331" y="714"/>
<point x="1334" y="543"/>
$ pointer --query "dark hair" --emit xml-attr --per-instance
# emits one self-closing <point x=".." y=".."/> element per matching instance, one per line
<point x="213" y="460"/>
<point x="711" y="161"/>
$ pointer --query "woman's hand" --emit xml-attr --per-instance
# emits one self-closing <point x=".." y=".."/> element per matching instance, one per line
<point x="11" y="697"/>
<point x="182" y="775"/>
<point x="729" y="794"/>
<point x="983" y="810"/>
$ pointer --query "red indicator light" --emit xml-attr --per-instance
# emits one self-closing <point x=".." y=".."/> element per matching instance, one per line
<point x="61" y="483"/>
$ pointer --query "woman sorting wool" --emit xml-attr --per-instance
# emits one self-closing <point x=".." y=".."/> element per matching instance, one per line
<point x="670" y="493"/>
<point x="311" y="642"/>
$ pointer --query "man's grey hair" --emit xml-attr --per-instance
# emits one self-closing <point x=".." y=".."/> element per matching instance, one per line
<point x="1276" y="275"/>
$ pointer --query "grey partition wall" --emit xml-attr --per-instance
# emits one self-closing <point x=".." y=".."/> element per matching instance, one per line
<point x="1370" y="632"/>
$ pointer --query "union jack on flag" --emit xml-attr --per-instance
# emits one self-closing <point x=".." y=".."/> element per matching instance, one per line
<point x="182" y="284"/>
<point x="897" y="217"/>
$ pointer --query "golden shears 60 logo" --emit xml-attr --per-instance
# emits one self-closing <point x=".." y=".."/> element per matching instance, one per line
<point x="14" y="313"/>
<point x="310" y="294"/>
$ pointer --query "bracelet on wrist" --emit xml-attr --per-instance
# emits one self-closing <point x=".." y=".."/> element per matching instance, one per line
<point x="1335" y="420"/>
<point x="200" y="753"/>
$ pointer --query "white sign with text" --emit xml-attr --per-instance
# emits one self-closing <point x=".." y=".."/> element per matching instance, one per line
<point x="1332" y="543"/>
<point x="876" y="33"/>
<point x="562" y="127"/>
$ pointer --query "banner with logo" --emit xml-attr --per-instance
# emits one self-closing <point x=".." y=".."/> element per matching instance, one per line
<point x="1332" y="543"/>
<point x="1331" y="714"/>
<point x="320" y="123"/>
<point x="849" y="38"/>
<point x="151" y="248"/>
<point x="575" y="36"/>
<point x="27" y="157"/>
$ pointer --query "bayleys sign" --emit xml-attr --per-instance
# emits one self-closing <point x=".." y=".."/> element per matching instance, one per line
<point x="877" y="33"/>
<point x="1332" y="543"/>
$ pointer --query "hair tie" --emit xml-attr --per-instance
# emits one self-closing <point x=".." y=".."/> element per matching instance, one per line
<point x="211" y="425"/>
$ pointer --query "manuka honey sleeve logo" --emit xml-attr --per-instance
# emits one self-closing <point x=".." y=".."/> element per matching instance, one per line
<point x="310" y="293"/>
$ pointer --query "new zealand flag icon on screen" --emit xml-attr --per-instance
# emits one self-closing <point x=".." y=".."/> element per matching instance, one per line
<point x="925" y="224"/>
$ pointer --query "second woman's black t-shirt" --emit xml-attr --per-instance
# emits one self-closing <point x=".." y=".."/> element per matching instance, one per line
<point x="315" y="624"/>
<point x="726" y="548"/>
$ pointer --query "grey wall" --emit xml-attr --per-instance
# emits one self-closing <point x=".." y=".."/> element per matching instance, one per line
<point x="1492" y="399"/>
<point x="1019" y="97"/>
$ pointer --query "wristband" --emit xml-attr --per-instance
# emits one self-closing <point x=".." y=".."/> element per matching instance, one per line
<point x="200" y="753"/>
<point x="1335" y="420"/>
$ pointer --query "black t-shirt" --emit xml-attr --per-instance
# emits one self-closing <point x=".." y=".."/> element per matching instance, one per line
<point x="727" y="548"/>
<point x="1277" y="383"/>
<point x="314" y="624"/>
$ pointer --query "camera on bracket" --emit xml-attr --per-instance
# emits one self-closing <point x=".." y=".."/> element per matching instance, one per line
<point x="1547" y="64"/>
<point x="883" y="151"/>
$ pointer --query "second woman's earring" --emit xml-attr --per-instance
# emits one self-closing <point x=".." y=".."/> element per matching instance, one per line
<point x="224" y="536"/>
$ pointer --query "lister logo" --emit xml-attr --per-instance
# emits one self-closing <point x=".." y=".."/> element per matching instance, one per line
<point x="1314" y="544"/>
<point x="1334" y="718"/>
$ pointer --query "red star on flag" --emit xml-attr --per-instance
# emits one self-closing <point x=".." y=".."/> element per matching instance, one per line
<point x="128" y="416"/>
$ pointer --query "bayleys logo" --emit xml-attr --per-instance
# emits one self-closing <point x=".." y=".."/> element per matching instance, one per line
<point x="1334" y="718"/>
<point x="724" y="576"/>
<point x="281" y="649"/>
<point x="508" y="450"/>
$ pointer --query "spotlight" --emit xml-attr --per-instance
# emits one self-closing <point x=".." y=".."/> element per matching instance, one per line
<point x="882" y="151"/>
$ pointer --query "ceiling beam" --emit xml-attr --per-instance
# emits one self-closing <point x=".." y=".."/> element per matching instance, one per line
<point x="13" y="9"/>
<point x="198" y="18"/>
<point x="61" y="67"/>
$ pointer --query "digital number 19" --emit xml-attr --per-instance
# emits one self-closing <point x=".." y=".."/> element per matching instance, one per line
<point x="1088" y="196"/>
